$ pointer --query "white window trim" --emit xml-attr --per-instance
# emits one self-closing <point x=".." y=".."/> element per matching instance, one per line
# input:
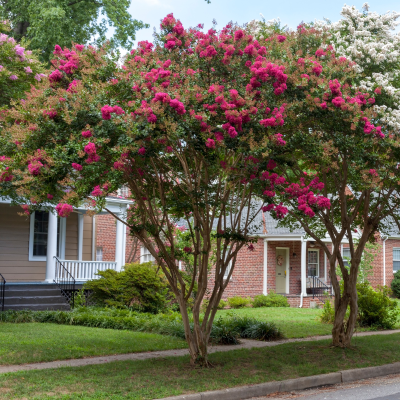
<point x="63" y="231"/>
<point x="395" y="248"/>
<point x="229" y="267"/>
<point x="287" y="249"/>
<point x="143" y="254"/>
<point x="317" y="251"/>
<point x="346" y="248"/>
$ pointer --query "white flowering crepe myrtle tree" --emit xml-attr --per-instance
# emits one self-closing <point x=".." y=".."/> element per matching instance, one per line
<point x="355" y="159"/>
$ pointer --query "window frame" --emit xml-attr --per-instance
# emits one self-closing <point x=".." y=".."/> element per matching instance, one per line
<point x="308" y="262"/>
<point x="97" y="252"/>
<point x="61" y="248"/>
<point x="344" y="261"/>
<point x="143" y="254"/>
<point x="229" y="267"/>
<point x="395" y="248"/>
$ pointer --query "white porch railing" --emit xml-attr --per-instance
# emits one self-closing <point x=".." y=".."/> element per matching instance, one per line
<point x="86" y="270"/>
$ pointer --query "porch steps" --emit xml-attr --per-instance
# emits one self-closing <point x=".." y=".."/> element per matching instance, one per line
<point x="34" y="297"/>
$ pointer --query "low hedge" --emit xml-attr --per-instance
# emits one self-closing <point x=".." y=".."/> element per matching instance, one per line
<point x="225" y="330"/>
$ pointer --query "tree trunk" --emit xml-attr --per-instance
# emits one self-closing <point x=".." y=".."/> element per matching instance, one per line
<point x="197" y="339"/>
<point x="20" y="29"/>
<point x="343" y="330"/>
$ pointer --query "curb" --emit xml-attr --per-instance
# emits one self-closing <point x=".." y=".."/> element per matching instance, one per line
<point x="308" y="382"/>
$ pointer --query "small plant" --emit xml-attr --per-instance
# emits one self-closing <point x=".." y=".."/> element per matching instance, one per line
<point x="270" y="300"/>
<point x="396" y="284"/>
<point x="239" y="302"/>
<point x="328" y="312"/>
<point x="222" y="304"/>
<point x="80" y="298"/>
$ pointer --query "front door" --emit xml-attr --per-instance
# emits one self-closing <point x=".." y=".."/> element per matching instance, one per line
<point x="280" y="270"/>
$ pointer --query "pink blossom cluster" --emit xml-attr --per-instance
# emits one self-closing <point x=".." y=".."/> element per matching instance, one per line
<point x="305" y="196"/>
<point x="35" y="167"/>
<point x="370" y="128"/>
<point x="52" y="113"/>
<point x="77" y="167"/>
<point x="6" y="176"/>
<point x="263" y="71"/>
<point x="97" y="191"/>
<point x="90" y="150"/>
<point x="107" y="110"/>
<point x="64" y="210"/>
<point x="68" y="61"/>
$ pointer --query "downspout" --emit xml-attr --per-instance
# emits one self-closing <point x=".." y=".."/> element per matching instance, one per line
<point x="302" y="294"/>
<point x="384" y="260"/>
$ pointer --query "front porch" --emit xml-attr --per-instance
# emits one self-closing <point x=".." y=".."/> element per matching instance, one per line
<point x="297" y="268"/>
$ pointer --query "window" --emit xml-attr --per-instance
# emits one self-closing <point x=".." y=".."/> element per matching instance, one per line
<point x="145" y="255"/>
<point x="99" y="254"/>
<point x="40" y="229"/>
<point x="346" y="257"/>
<point x="228" y="268"/>
<point x="124" y="191"/>
<point x="396" y="260"/>
<point x="313" y="262"/>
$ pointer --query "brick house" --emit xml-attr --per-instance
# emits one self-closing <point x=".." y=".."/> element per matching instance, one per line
<point x="283" y="261"/>
<point x="35" y="250"/>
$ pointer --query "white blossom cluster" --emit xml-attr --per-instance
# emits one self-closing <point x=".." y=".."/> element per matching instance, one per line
<point x="368" y="38"/>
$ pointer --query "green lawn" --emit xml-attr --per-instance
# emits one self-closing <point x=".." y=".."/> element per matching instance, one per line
<point x="294" y="322"/>
<point x="37" y="342"/>
<point x="159" y="378"/>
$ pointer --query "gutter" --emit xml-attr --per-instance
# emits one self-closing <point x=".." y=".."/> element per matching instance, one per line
<point x="301" y="257"/>
<point x="384" y="260"/>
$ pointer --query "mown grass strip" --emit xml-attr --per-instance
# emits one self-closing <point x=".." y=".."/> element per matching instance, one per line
<point x="159" y="378"/>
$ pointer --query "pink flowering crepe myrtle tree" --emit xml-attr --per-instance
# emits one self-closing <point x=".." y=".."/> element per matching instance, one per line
<point x="196" y="125"/>
<point x="341" y="144"/>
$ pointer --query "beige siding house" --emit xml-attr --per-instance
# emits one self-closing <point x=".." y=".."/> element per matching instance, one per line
<point x="31" y="245"/>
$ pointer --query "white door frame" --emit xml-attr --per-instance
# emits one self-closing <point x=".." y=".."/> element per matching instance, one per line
<point x="287" y="267"/>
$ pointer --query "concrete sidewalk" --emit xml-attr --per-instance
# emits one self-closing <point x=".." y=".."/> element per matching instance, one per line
<point x="245" y="344"/>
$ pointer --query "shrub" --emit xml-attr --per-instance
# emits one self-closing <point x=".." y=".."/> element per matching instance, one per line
<point x="225" y="330"/>
<point x="396" y="284"/>
<point x="221" y="305"/>
<point x="239" y="302"/>
<point x="139" y="286"/>
<point x="270" y="300"/>
<point x="375" y="307"/>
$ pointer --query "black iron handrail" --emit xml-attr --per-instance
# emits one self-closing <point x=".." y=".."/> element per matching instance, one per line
<point x="66" y="282"/>
<point x="319" y="288"/>
<point x="2" y="291"/>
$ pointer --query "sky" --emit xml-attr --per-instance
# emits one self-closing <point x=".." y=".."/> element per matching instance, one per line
<point x="290" y="12"/>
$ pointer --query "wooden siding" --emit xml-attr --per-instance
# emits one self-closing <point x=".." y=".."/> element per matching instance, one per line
<point x="14" y="248"/>
<point x="87" y="238"/>
<point x="71" y="237"/>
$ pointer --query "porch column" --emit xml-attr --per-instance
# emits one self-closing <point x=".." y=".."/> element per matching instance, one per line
<point x="303" y="266"/>
<point x="51" y="248"/>
<point x="119" y="241"/>
<point x="265" y="282"/>
<point x="80" y="236"/>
